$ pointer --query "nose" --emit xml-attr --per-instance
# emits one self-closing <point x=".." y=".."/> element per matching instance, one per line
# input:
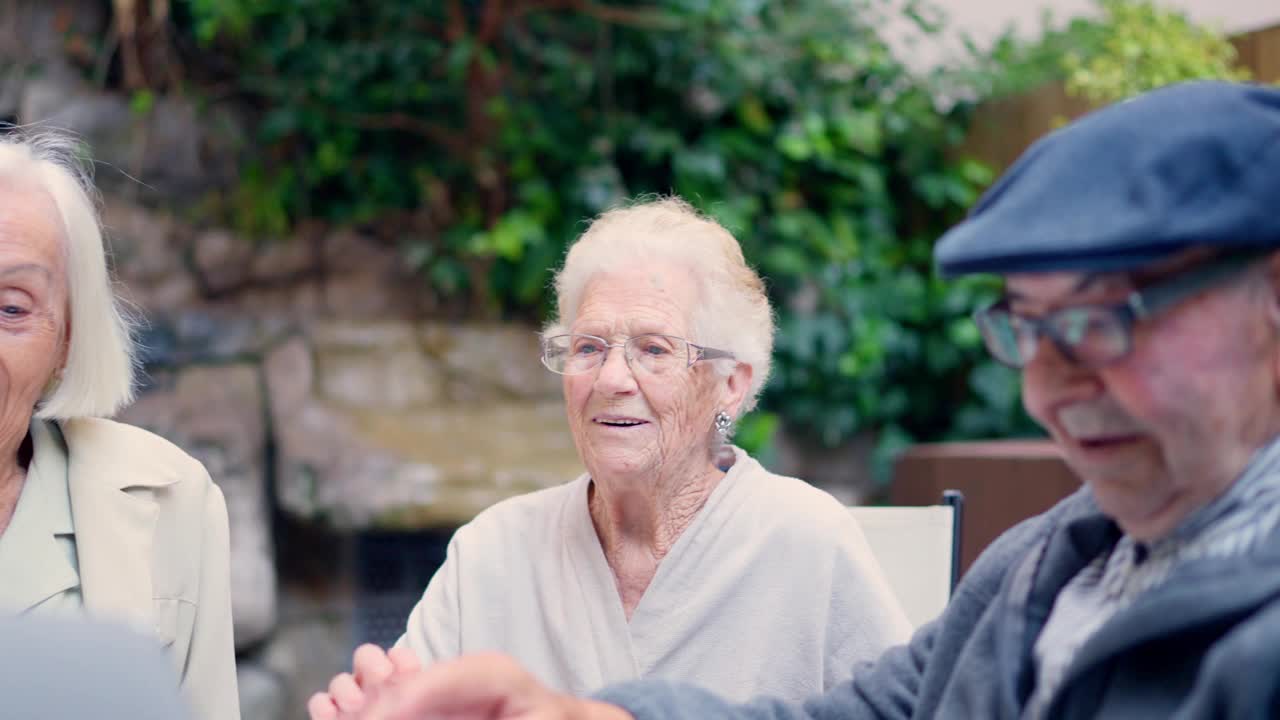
<point x="1047" y="361"/>
<point x="1049" y="379"/>
<point x="614" y="376"/>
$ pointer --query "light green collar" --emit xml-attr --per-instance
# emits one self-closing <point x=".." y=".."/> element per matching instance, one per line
<point x="34" y="562"/>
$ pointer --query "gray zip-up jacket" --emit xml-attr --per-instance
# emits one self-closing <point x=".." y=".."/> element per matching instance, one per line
<point x="1205" y="644"/>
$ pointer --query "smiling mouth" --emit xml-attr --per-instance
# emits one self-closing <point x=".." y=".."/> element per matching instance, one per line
<point x="1107" y="443"/>
<point x="620" y="422"/>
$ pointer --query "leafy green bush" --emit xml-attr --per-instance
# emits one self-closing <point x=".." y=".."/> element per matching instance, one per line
<point x="1141" y="47"/>
<point x="480" y="134"/>
<point x="1130" y="47"/>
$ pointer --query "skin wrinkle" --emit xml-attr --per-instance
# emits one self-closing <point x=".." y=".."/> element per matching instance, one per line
<point x="649" y="482"/>
<point x="1182" y="386"/>
<point x="33" y="312"/>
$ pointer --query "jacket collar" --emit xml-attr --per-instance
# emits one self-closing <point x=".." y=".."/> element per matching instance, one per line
<point x="1186" y="599"/>
<point x="114" y="507"/>
<point x="35" y="564"/>
<point x="1182" y="601"/>
<point x="1077" y="531"/>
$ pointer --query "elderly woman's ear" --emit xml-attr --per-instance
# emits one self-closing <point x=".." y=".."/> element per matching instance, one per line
<point x="52" y="384"/>
<point x="60" y="363"/>
<point x="735" y="389"/>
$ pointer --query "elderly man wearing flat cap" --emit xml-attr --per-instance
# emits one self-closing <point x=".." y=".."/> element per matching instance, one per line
<point x="1142" y="306"/>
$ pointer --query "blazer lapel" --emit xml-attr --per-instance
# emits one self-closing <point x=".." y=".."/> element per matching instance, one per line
<point x="114" y="510"/>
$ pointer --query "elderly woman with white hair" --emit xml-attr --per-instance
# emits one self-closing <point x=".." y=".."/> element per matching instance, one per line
<point x="676" y="555"/>
<point x="97" y="519"/>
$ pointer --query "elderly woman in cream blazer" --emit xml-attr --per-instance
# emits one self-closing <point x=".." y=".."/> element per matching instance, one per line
<point x="97" y="519"/>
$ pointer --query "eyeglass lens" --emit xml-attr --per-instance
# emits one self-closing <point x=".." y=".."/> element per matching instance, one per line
<point x="655" y="354"/>
<point x="1090" y="335"/>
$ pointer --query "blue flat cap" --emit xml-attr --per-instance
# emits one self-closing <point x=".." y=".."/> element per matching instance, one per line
<point x="1190" y="164"/>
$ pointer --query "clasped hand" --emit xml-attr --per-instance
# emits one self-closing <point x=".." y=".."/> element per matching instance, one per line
<point x="394" y="686"/>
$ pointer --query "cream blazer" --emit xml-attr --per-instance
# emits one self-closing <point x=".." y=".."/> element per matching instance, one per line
<point x="153" y="549"/>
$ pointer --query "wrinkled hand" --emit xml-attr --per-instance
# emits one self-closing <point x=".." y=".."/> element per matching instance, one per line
<point x="372" y="671"/>
<point x="481" y="687"/>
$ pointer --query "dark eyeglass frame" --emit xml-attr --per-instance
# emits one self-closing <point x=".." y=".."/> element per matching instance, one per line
<point x="1140" y="304"/>
<point x="700" y="352"/>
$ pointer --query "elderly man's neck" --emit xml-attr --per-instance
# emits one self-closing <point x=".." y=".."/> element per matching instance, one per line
<point x="1162" y="521"/>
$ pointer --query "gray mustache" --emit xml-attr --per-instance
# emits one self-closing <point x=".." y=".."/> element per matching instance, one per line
<point x="1097" y="419"/>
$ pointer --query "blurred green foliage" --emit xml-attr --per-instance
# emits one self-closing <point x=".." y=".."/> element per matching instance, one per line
<point x="1129" y="47"/>
<point x="480" y="134"/>
<point x="1141" y="47"/>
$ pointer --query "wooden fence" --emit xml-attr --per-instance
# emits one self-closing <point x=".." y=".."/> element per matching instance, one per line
<point x="1003" y="128"/>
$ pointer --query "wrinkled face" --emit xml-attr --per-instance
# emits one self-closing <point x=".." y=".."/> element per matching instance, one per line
<point x="33" y="302"/>
<point x="630" y="424"/>
<point x="1168" y="428"/>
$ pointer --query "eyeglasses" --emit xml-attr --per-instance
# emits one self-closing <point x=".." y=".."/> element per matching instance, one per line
<point x="1098" y="335"/>
<point x="654" y="354"/>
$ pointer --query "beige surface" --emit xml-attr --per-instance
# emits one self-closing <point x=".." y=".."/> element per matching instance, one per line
<point x="913" y="547"/>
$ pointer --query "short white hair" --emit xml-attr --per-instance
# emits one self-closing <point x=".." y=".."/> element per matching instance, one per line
<point x="98" y="377"/>
<point x="733" y="311"/>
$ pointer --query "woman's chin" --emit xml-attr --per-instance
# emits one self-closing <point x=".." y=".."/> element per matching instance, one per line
<point x="610" y="463"/>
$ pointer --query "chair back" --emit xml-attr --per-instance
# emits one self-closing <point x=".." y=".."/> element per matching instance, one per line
<point x="917" y="547"/>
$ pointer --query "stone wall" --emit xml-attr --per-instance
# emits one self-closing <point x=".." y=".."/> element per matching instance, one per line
<point x="302" y="376"/>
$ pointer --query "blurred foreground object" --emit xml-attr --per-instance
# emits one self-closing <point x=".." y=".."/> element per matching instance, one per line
<point x="65" y="669"/>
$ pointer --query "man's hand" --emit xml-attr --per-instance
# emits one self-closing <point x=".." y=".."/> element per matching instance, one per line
<point x="480" y="687"/>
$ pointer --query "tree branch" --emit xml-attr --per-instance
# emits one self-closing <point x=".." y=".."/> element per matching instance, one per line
<point x="457" y="28"/>
<point x="652" y="18"/>
<point x="490" y="21"/>
<point x="449" y="138"/>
